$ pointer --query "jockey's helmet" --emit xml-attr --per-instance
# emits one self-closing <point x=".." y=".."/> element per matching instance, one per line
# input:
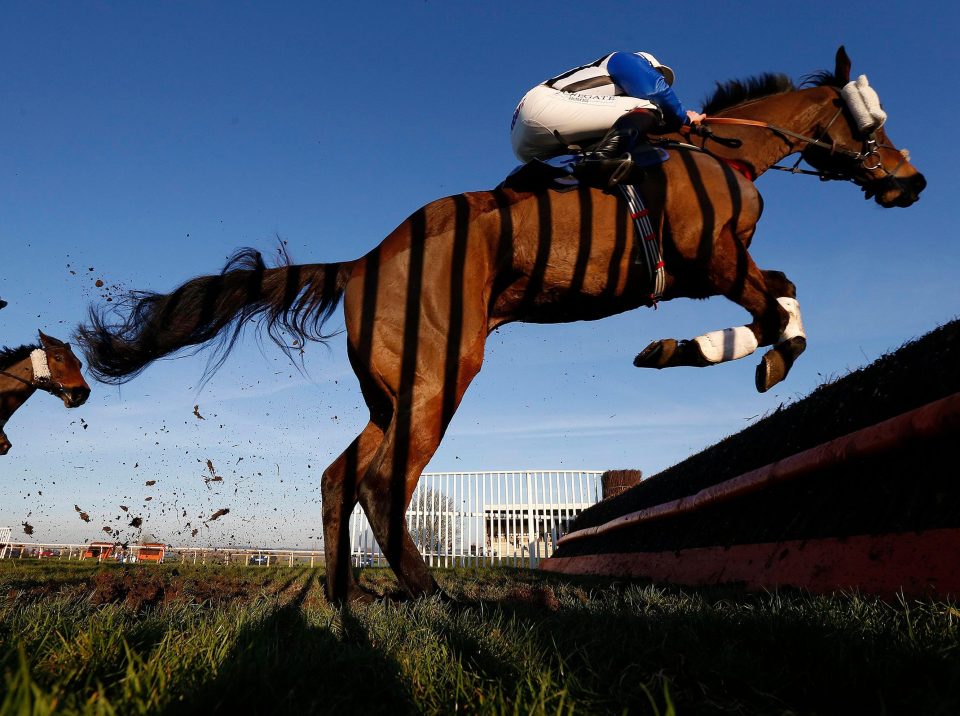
<point x="664" y="70"/>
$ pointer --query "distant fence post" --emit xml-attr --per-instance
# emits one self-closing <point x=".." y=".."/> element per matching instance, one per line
<point x="616" y="482"/>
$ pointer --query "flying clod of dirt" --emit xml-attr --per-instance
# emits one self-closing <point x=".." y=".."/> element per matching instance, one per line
<point x="108" y="529"/>
<point x="124" y="508"/>
<point x="196" y="411"/>
<point x="218" y="514"/>
<point x="27" y="528"/>
<point x="214" y="477"/>
<point x="149" y="483"/>
<point x="83" y="515"/>
<point x="136" y="522"/>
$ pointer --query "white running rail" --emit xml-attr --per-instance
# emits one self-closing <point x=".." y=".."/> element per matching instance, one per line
<point x="506" y="517"/>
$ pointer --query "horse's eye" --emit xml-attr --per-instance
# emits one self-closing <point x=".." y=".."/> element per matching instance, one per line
<point x="58" y="358"/>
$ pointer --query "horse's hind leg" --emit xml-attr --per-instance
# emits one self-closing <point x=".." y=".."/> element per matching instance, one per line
<point x="387" y="487"/>
<point x="421" y="417"/>
<point x="339" y="491"/>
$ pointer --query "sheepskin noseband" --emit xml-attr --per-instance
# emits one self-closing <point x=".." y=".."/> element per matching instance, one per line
<point x="864" y="105"/>
<point x="38" y="360"/>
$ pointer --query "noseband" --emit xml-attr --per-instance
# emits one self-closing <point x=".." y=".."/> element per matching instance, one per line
<point x="40" y="368"/>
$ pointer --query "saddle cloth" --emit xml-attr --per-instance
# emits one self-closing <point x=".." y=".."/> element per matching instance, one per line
<point x="560" y="172"/>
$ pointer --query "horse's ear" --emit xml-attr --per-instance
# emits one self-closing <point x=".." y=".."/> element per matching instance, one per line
<point x="48" y="341"/>
<point x="842" y="71"/>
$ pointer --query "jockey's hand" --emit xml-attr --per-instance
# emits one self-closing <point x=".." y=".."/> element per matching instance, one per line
<point x="695" y="117"/>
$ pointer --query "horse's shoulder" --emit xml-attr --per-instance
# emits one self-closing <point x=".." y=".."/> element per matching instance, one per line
<point x="687" y="160"/>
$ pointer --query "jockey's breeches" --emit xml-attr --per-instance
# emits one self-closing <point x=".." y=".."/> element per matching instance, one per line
<point x="544" y="113"/>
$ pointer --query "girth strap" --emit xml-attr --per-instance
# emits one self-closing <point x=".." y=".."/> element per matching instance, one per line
<point x="649" y="250"/>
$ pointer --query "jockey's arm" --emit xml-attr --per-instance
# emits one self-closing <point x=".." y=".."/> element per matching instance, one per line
<point x="638" y="78"/>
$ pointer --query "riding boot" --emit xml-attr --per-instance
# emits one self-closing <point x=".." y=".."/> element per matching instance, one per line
<point x="624" y="135"/>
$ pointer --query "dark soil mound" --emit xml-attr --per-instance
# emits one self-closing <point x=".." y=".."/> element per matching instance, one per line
<point x="867" y="496"/>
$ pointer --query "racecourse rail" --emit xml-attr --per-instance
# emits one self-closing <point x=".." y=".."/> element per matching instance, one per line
<point x="494" y="517"/>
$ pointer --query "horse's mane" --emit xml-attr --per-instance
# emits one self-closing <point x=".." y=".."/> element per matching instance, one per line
<point x="734" y="92"/>
<point x="9" y="356"/>
<point x="823" y="78"/>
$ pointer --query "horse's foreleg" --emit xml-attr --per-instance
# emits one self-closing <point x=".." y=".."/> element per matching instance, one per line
<point x="791" y="341"/>
<point x="339" y="491"/>
<point x="5" y="443"/>
<point x="771" y="299"/>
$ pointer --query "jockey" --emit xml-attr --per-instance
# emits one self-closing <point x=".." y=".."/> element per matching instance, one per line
<point x="617" y="99"/>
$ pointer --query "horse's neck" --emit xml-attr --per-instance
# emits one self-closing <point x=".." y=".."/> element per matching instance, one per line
<point x="13" y="392"/>
<point x="803" y="112"/>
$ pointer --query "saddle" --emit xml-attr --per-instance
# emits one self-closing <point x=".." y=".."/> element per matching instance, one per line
<point x="567" y="171"/>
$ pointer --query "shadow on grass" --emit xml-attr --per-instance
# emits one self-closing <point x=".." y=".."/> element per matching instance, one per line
<point x="721" y="650"/>
<point x="288" y="663"/>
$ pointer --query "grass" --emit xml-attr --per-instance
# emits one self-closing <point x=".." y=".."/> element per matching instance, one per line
<point x="179" y="639"/>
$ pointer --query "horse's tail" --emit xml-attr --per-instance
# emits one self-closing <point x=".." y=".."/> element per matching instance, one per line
<point x="291" y="301"/>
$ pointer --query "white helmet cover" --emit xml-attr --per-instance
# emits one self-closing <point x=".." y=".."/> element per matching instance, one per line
<point x="667" y="73"/>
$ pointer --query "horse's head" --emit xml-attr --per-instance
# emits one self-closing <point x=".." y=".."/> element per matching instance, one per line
<point x="65" y="379"/>
<point x="862" y="152"/>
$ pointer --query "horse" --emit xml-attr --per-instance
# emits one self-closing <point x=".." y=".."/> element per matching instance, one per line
<point x="50" y="366"/>
<point x="419" y="306"/>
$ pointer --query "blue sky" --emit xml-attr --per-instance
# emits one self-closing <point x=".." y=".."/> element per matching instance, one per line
<point x="148" y="141"/>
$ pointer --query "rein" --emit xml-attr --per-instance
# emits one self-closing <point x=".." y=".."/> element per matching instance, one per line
<point x="870" y="148"/>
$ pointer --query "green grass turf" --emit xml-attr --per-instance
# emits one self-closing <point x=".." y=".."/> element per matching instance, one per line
<point x="182" y="639"/>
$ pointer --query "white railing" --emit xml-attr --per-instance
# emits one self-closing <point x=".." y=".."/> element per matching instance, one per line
<point x="509" y="517"/>
<point x="5" y="535"/>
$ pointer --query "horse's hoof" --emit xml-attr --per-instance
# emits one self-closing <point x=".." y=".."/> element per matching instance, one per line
<point x="656" y="355"/>
<point x="355" y="596"/>
<point x="777" y="362"/>
<point x="444" y="597"/>
<point x="771" y="371"/>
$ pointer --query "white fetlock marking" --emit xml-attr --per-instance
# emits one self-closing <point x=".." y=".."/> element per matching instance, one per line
<point x="794" y="326"/>
<point x="728" y="344"/>
<point x="38" y="361"/>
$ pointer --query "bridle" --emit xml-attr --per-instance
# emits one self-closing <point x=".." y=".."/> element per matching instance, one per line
<point x="45" y="384"/>
<point x="868" y="158"/>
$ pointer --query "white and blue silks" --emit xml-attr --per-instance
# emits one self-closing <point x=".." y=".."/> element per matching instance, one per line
<point x="580" y="105"/>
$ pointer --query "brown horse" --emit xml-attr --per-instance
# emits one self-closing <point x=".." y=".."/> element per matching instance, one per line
<point x="50" y="366"/>
<point x="418" y="307"/>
